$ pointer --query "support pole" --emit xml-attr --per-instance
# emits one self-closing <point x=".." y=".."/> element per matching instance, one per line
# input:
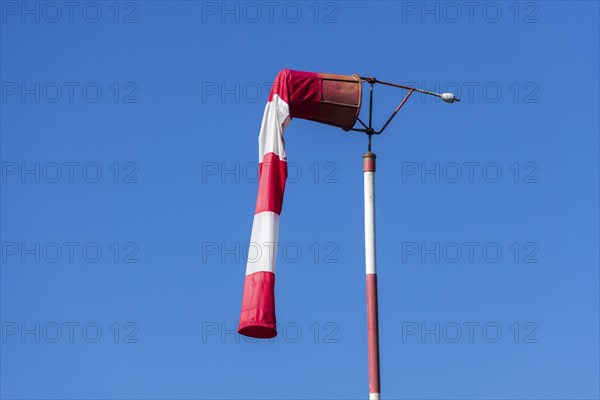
<point x="371" y="269"/>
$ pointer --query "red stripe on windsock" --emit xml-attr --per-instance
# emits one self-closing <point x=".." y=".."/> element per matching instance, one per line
<point x="257" y="318"/>
<point x="272" y="174"/>
<point x="300" y="90"/>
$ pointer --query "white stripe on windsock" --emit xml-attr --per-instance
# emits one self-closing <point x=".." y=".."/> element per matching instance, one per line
<point x="275" y="119"/>
<point x="262" y="251"/>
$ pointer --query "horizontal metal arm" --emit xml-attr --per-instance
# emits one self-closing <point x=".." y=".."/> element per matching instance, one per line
<point x="375" y="80"/>
<point x="447" y="97"/>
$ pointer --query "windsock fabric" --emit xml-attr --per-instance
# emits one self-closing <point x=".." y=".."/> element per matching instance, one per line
<point x="295" y="94"/>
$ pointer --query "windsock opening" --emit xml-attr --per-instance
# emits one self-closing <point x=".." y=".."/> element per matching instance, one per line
<point x="257" y="318"/>
<point x="326" y="98"/>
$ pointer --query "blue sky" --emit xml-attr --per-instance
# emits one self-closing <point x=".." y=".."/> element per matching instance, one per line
<point x="129" y="148"/>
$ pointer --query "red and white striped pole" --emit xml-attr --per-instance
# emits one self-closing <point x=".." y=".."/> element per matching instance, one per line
<point x="371" y="267"/>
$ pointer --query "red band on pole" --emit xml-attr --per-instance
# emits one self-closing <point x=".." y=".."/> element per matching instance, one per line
<point x="373" y="333"/>
<point x="369" y="162"/>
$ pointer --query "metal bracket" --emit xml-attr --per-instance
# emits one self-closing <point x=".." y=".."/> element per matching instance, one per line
<point x="447" y="97"/>
<point x="368" y="129"/>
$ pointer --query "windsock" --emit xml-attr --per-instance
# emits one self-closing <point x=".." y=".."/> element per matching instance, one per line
<point x="326" y="98"/>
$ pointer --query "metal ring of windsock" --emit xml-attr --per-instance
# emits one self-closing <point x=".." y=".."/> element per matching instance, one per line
<point x="333" y="100"/>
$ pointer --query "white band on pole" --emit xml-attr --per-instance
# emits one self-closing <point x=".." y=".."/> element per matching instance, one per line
<point x="370" y="257"/>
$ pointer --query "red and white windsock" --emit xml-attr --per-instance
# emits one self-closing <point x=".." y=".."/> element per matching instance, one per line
<point x="295" y="94"/>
